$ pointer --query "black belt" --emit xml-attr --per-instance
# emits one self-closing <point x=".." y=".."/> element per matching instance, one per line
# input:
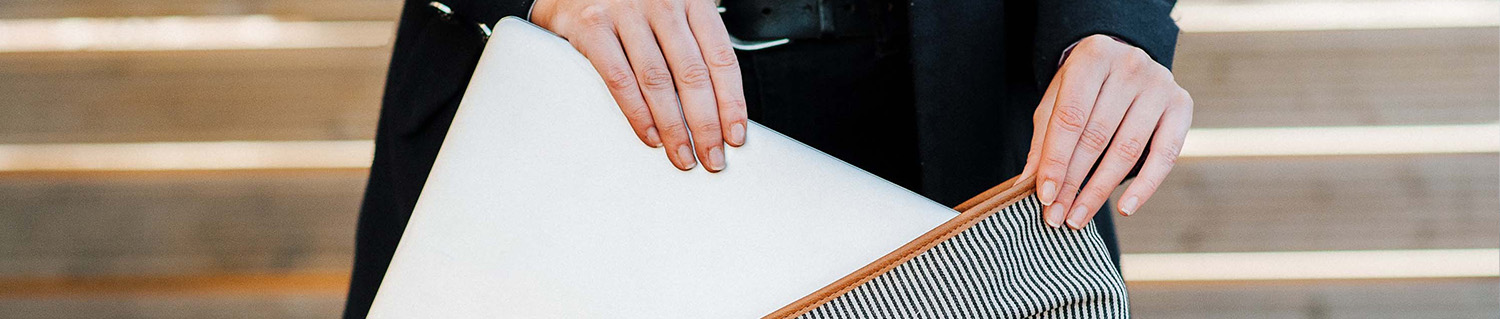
<point x="806" y="19"/>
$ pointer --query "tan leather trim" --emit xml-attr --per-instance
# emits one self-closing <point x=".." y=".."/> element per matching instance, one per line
<point x="987" y="194"/>
<point x="974" y="210"/>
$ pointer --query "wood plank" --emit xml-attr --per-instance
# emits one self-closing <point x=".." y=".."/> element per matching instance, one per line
<point x="280" y="306"/>
<point x="1321" y="203"/>
<point x="330" y="283"/>
<point x="1459" y="298"/>
<point x="247" y="221"/>
<point x="191" y="96"/>
<point x="1322" y="78"/>
<point x="1444" y="298"/>
<point x="178" y="223"/>
<point x="1254" y="79"/>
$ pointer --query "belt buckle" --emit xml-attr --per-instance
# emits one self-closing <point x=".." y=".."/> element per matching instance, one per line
<point x="744" y="45"/>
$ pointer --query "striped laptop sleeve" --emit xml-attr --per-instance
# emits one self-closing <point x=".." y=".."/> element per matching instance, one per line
<point x="995" y="260"/>
<point x="509" y="227"/>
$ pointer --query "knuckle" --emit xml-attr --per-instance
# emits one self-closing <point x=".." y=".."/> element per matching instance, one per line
<point x="1096" y="39"/>
<point x="1169" y="151"/>
<point x="1135" y="68"/>
<point x="1183" y="97"/>
<point x="723" y="57"/>
<point x="1094" y="139"/>
<point x="596" y="16"/>
<point x="735" y="106"/>
<point x="1147" y="184"/>
<point x="1090" y="196"/>
<point x="622" y="4"/>
<point x="1097" y="46"/>
<point x="1130" y="148"/>
<point x="1070" y="186"/>
<point x="1087" y="44"/>
<point x="1167" y="75"/>
<point x="1070" y="116"/>
<point x="693" y="75"/>
<point x="1140" y="55"/>
<point x="1169" y="160"/>
<point x="1089" y="51"/>
<point x="619" y="79"/>
<point x="1157" y="74"/>
<point x="1055" y="159"/>
<point x="641" y="115"/>
<point x="672" y="128"/>
<point x="656" y="78"/>
<point x="669" y="5"/>
<point x="708" y="129"/>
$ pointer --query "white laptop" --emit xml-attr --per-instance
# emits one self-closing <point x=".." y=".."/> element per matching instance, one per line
<point x="543" y="204"/>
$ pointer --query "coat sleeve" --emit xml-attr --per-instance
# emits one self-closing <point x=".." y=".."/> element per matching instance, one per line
<point x="1145" y="24"/>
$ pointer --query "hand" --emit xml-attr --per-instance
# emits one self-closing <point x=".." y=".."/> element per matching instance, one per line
<point x="653" y="54"/>
<point x="1107" y="94"/>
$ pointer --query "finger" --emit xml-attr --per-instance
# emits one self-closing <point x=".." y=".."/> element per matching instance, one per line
<point x="723" y="68"/>
<point x="1119" y="90"/>
<point x="1081" y="81"/>
<point x="655" y="80"/>
<point x="1166" y="144"/>
<point x="1038" y="134"/>
<point x="694" y="84"/>
<point x="1057" y="213"/>
<point x="1125" y="149"/>
<point x="601" y="45"/>
<point x="1039" y="128"/>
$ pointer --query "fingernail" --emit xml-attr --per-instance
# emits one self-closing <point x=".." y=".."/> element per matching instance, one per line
<point x="1055" y="216"/>
<point x="715" y="159"/>
<point x="1127" y="206"/>
<point x="685" y="158"/>
<point x="1076" y="219"/>
<point x="737" y="134"/>
<point x="1048" y="193"/>
<point x="653" y="138"/>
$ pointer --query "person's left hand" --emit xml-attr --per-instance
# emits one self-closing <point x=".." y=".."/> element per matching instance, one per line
<point x="1110" y="95"/>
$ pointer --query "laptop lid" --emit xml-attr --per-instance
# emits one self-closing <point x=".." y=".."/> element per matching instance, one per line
<point x="543" y="204"/>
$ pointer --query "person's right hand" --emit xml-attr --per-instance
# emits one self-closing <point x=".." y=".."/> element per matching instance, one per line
<point x="653" y="54"/>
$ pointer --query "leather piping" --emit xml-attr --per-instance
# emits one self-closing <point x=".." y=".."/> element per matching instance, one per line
<point x="974" y="210"/>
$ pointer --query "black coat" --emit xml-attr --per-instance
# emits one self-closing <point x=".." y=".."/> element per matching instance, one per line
<point x="947" y="114"/>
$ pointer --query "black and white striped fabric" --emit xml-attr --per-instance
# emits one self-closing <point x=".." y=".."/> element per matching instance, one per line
<point x="1008" y="265"/>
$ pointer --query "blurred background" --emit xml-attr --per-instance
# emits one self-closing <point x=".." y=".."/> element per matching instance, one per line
<point x="206" y="158"/>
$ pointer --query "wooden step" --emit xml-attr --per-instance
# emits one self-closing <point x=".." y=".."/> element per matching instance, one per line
<point x="105" y="97"/>
<point x="1321" y="203"/>
<point x="1323" y="78"/>
<point x="1435" y="298"/>
<point x="1420" y="298"/>
<point x="178" y="223"/>
<point x="269" y="306"/>
<point x="258" y="221"/>
<point x="1253" y="79"/>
